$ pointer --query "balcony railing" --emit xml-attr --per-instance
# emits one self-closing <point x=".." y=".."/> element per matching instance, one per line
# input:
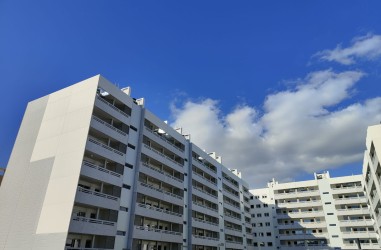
<point x="161" y="191"/>
<point x="204" y="221"/>
<point x="101" y="169"/>
<point x="93" y="221"/>
<point x="163" y="155"/>
<point x="204" y="206"/>
<point x="163" y="138"/>
<point x="215" y="184"/>
<point x="206" y="237"/>
<point x="203" y="191"/>
<point x="108" y="125"/>
<point x="159" y="209"/>
<point x="101" y="144"/>
<point x="95" y="193"/>
<point x="151" y="229"/>
<point x="161" y="172"/>
<point x="112" y="106"/>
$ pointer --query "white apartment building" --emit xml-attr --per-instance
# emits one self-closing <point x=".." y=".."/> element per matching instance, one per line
<point x="92" y="168"/>
<point x="372" y="173"/>
<point x="324" y="213"/>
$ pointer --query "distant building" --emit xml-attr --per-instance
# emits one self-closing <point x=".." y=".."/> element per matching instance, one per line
<point x="93" y="169"/>
<point x="372" y="174"/>
<point x="324" y="212"/>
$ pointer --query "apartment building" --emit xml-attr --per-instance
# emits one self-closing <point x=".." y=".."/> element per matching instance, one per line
<point x="372" y="173"/>
<point x="92" y="168"/>
<point x="324" y="213"/>
<point x="263" y="214"/>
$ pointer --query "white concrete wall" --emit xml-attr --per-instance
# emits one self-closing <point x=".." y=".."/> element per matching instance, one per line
<point x="39" y="187"/>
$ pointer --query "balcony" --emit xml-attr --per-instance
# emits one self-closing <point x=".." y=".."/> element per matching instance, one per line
<point x="98" y="199"/>
<point x="200" y="164"/>
<point x="100" y="173"/>
<point x="297" y="194"/>
<point x="343" y="190"/>
<point x="233" y="244"/>
<point x="111" y="109"/>
<point x="204" y="240"/>
<point x="150" y="190"/>
<point x="102" y="149"/>
<point x="305" y="224"/>
<point x="359" y="234"/>
<point x="155" y="234"/>
<point x="158" y="213"/>
<point x="304" y="214"/>
<point x="353" y="211"/>
<point x="297" y="204"/>
<point x="203" y="194"/>
<point x="159" y="139"/>
<point x="350" y="200"/>
<point x="354" y="223"/>
<point x="198" y="177"/>
<point x="199" y="223"/>
<point x="167" y="160"/>
<point x="108" y="129"/>
<point x="85" y="225"/>
<point x="204" y="208"/>
<point x="166" y="177"/>
<point x="303" y="236"/>
<point x="363" y="246"/>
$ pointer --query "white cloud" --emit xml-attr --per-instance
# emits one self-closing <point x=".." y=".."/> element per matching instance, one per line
<point x="366" y="47"/>
<point x="299" y="129"/>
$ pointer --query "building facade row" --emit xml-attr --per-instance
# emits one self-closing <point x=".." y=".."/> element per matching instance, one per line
<point x="92" y="168"/>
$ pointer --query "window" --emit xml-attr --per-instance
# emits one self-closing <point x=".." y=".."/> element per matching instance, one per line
<point x="267" y="214"/>
<point x="269" y="244"/>
<point x="251" y="206"/>
<point x="265" y="205"/>
<point x="259" y="215"/>
<point x="264" y="196"/>
<point x="268" y="234"/>
<point x="267" y="224"/>
<point x="258" y="206"/>
<point x="327" y="203"/>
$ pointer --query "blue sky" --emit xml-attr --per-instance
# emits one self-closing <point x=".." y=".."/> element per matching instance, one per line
<point x="236" y="61"/>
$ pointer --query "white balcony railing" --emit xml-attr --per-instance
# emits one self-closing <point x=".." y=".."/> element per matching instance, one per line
<point x="160" y="190"/>
<point x="101" y="169"/>
<point x="161" y="172"/>
<point x="109" y="125"/>
<point x="112" y="106"/>
<point x="163" y="155"/>
<point x="152" y="229"/>
<point x="95" y="193"/>
<point x="158" y="209"/>
<point x="101" y="144"/>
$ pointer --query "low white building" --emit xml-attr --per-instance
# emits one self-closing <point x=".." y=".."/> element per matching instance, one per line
<point x="317" y="214"/>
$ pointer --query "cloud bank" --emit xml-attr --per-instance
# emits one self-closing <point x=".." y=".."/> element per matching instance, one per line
<point x="365" y="47"/>
<point x="309" y="127"/>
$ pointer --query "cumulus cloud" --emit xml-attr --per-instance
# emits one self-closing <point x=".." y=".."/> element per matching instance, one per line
<point x="305" y="128"/>
<point x="365" y="47"/>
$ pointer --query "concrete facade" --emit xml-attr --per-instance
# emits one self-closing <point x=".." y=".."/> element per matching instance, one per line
<point x="91" y="168"/>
